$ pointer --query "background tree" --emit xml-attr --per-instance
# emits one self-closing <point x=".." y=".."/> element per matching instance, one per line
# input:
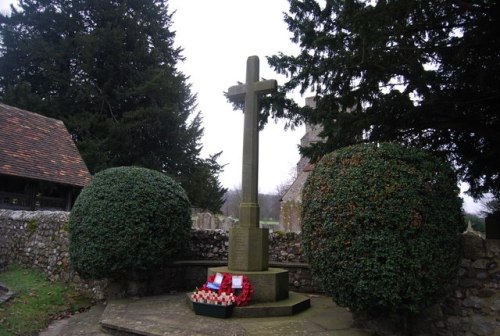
<point x="268" y="203"/>
<point x="490" y="206"/>
<point x="418" y="72"/>
<point x="282" y="188"/>
<point x="269" y="207"/>
<point x="231" y="207"/>
<point x="108" y="69"/>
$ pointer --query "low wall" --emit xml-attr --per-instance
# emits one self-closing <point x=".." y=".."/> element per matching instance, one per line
<point x="474" y="306"/>
<point x="213" y="245"/>
<point x="40" y="240"/>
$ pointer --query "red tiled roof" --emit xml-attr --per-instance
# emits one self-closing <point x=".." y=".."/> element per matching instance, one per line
<point x="37" y="147"/>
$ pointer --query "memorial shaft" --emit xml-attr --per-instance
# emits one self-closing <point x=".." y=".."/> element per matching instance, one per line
<point x="248" y="244"/>
<point x="249" y="207"/>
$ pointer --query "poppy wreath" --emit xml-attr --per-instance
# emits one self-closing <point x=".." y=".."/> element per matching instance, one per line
<point x="243" y="295"/>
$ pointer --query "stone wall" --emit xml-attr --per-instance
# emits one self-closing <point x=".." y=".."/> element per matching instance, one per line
<point x="285" y="251"/>
<point x="40" y="240"/>
<point x="213" y="245"/>
<point x="36" y="238"/>
<point x="471" y="309"/>
<point x="290" y="216"/>
<point x="474" y="306"/>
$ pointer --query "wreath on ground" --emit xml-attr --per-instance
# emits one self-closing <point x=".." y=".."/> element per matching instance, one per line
<point x="243" y="295"/>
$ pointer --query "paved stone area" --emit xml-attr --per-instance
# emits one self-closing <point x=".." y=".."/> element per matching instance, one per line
<point x="86" y="323"/>
<point x="170" y="315"/>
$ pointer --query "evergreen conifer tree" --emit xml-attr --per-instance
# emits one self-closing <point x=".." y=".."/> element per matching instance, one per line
<point x="418" y="72"/>
<point x="108" y="69"/>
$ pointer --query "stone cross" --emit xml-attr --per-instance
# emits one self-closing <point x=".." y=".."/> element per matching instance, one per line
<point x="249" y="92"/>
<point x="248" y="243"/>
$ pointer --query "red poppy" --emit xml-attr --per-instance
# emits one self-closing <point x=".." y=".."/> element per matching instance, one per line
<point x="243" y="295"/>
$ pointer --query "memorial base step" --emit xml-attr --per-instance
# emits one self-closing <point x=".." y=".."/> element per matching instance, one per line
<point x="294" y="304"/>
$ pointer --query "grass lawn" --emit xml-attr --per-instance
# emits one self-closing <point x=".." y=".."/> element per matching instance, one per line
<point x="270" y="222"/>
<point x="36" y="302"/>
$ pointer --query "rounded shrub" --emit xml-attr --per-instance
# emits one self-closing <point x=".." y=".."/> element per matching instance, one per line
<point x="127" y="219"/>
<point x="381" y="227"/>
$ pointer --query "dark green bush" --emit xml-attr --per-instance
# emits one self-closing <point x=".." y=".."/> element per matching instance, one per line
<point x="381" y="227"/>
<point x="127" y="219"/>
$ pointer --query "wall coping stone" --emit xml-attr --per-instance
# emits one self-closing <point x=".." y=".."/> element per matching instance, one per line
<point x="224" y="263"/>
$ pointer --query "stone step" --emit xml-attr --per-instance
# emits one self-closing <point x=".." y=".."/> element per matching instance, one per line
<point x="294" y="304"/>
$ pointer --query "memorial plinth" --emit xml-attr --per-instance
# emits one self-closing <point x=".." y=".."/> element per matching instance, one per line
<point x="269" y="286"/>
<point x="248" y="249"/>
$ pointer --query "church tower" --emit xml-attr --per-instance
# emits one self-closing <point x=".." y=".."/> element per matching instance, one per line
<point x="291" y="203"/>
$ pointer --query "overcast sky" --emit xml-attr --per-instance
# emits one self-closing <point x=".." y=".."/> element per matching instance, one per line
<point x="217" y="37"/>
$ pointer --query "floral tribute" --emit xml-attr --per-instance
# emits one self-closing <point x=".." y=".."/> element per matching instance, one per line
<point x="242" y="296"/>
<point x="210" y="297"/>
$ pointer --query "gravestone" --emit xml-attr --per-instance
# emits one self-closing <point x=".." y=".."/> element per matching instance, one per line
<point x="248" y="243"/>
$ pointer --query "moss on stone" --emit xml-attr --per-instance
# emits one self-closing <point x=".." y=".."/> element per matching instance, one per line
<point x="32" y="226"/>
